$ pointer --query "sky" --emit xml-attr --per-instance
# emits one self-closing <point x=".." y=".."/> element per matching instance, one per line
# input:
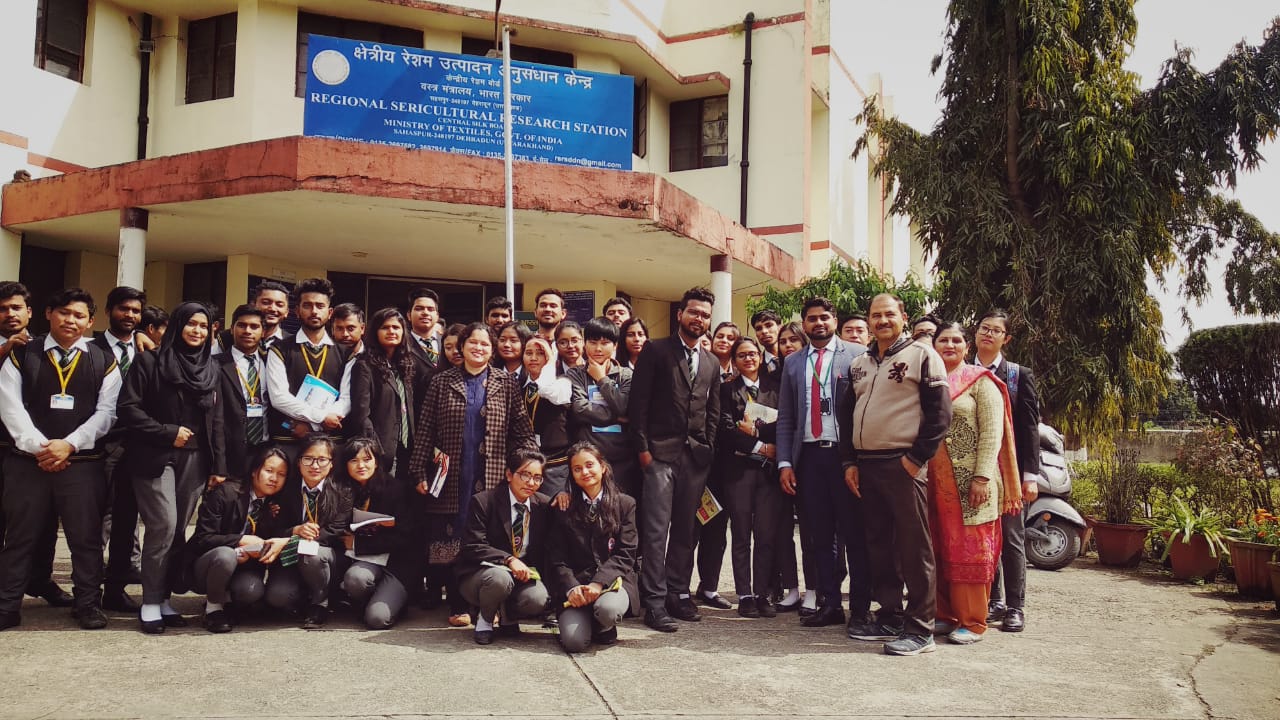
<point x="898" y="40"/>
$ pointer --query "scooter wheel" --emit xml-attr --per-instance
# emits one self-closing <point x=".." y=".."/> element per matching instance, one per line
<point x="1058" y="547"/>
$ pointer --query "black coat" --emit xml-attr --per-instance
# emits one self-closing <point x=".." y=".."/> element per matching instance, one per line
<point x="1026" y="417"/>
<point x="733" y="405"/>
<point x="220" y="522"/>
<point x="487" y="537"/>
<point x="375" y="408"/>
<point x="581" y="554"/>
<point x="333" y="510"/>
<point x="388" y="498"/>
<point x="232" y="458"/>
<point x="150" y="412"/>
<point x="424" y="371"/>
<point x="666" y="410"/>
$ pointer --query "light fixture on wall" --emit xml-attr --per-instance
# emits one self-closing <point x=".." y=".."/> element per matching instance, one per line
<point x="359" y="254"/>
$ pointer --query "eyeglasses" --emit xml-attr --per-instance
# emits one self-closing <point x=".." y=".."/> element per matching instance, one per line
<point x="528" y="476"/>
<point x="315" y="461"/>
<point x="698" y="314"/>
<point x="989" y="330"/>
<point x="748" y="355"/>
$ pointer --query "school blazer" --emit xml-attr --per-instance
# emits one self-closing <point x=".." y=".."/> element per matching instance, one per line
<point x="333" y="510"/>
<point x="581" y="554"/>
<point x="1026" y="417"/>
<point x="388" y="498"/>
<point x="232" y="458"/>
<point x="149" y="411"/>
<point x="487" y="537"/>
<point x="793" y="393"/>
<point x="667" y="411"/>
<point x="220" y="522"/>
<point x="375" y="408"/>
<point x="733" y="407"/>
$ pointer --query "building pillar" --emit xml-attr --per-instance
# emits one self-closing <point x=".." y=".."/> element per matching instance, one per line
<point x="131" y="262"/>
<point x="10" y="253"/>
<point x="722" y="287"/>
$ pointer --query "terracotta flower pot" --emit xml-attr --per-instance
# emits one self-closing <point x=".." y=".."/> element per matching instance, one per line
<point x="1274" y="567"/>
<point x="1192" y="559"/>
<point x="1120" y="545"/>
<point x="1253" y="579"/>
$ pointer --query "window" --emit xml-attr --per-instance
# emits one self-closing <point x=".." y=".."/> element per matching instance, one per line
<point x="60" y="31"/>
<point x="309" y="24"/>
<point x="523" y="53"/>
<point x="211" y="58"/>
<point x="700" y="133"/>
<point x="640" y="120"/>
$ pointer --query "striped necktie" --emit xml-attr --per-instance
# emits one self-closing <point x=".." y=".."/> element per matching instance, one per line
<point x="124" y="358"/>
<point x="65" y="357"/>
<point x="518" y="529"/>
<point x="255" y="427"/>
<point x="754" y="392"/>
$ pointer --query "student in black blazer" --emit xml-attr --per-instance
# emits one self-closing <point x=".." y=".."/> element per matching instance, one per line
<point x="320" y="505"/>
<point x="380" y="556"/>
<point x="593" y="550"/>
<point x="504" y="547"/>
<point x="240" y="531"/>
<point x="383" y="380"/>
<point x="171" y="420"/>
<point x="675" y="408"/>
<point x="758" y="510"/>
<point x="242" y="388"/>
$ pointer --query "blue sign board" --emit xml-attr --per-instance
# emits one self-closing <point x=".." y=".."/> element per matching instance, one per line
<point x="441" y="101"/>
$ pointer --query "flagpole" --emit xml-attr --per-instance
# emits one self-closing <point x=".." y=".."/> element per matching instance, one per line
<point x="506" y="154"/>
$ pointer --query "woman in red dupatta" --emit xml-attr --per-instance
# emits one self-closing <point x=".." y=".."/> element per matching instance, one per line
<point x="964" y="503"/>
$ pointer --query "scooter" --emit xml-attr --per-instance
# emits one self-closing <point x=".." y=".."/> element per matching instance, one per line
<point x="1053" y="527"/>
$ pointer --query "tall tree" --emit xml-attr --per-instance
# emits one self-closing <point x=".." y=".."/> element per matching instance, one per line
<point x="1052" y="186"/>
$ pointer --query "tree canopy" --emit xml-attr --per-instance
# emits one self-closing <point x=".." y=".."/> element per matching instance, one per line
<point x="1053" y="185"/>
<point x="850" y="287"/>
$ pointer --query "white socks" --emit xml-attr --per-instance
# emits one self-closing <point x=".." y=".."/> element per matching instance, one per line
<point x="483" y="624"/>
<point x="212" y="607"/>
<point x="684" y="596"/>
<point x="150" y="612"/>
<point x="811" y="599"/>
<point x="793" y="596"/>
<point x="167" y="609"/>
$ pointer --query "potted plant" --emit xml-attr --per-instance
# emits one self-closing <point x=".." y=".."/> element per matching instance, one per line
<point x="1119" y="540"/>
<point x="1192" y="539"/>
<point x="1253" y="549"/>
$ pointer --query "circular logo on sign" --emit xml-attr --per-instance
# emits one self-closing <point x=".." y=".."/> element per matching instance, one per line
<point x="330" y="67"/>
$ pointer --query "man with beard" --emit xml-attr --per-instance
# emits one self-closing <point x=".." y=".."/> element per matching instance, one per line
<point x="618" y="310"/>
<point x="815" y="384"/>
<point x="674" y="409"/>
<point x="767" y="324"/>
<point x="242" y="391"/>
<point x="272" y="299"/>
<point x="120" y="523"/>
<point x="549" y="312"/>
<point x="348" y="328"/>
<point x="497" y="312"/>
<point x="308" y="378"/>
<point x="15" y="315"/>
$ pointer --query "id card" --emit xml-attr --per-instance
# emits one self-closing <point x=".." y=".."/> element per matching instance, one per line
<point x="255" y="410"/>
<point x="62" y="402"/>
<point x="308" y="547"/>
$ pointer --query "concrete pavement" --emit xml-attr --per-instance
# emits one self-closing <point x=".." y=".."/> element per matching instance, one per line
<point x="1100" y="643"/>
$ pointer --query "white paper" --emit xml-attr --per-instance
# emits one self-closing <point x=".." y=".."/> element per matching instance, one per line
<point x="757" y="413"/>
<point x="308" y="547"/>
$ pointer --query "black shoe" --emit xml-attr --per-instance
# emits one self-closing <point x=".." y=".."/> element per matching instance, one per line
<point x="765" y="608"/>
<point x="90" y="617"/>
<point x="805" y="612"/>
<point x="713" y="601"/>
<point x="54" y="595"/>
<point x="217" y="622"/>
<point x="134" y="577"/>
<point x="8" y="620"/>
<point x="117" y="600"/>
<point x="152" y="627"/>
<point x="315" y="617"/>
<point x="747" y="607"/>
<point x="662" y="622"/>
<point x="872" y="631"/>
<point x="995" y="612"/>
<point x="173" y="620"/>
<point x="683" y="610"/>
<point x="483" y="637"/>
<point x="509" y="629"/>
<point x="1014" y="620"/>
<point x="788" y="607"/>
<point x="829" y="615"/>
<point x="606" y="637"/>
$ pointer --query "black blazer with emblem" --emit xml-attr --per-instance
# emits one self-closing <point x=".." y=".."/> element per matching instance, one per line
<point x="232" y="460"/>
<point x="667" y="411"/>
<point x="582" y="553"/>
<point x="488" y="538"/>
<point x="333" y="509"/>
<point x="733" y="406"/>
<point x="222" y="516"/>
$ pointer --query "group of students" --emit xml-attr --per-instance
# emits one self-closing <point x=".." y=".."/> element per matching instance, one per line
<point x="569" y="475"/>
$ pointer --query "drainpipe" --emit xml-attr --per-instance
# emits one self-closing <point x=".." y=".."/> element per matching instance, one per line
<point x="745" y="164"/>
<point x="146" y="46"/>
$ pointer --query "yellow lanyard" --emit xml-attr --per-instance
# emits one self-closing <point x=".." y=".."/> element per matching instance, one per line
<point x="251" y="389"/>
<point x="306" y="357"/>
<point x="64" y="378"/>
<point x="253" y="525"/>
<point x="365" y="507"/>
<point x="306" y="507"/>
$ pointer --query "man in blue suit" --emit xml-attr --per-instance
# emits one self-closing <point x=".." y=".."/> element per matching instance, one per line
<point x="815" y="387"/>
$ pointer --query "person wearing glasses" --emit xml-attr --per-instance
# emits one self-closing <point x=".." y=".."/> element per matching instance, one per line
<point x="320" y="508"/>
<point x="1008" y="592"/>
<point x="504" y="548"/>
<point x="674" y="410"/>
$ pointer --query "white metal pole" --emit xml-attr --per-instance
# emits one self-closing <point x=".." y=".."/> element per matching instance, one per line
<point x="506" y="153"/>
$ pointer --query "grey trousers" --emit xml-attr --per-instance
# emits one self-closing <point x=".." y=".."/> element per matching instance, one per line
<point x="77" y="494"/>
<point x="289" y="588"/>
<point x="1010" y="586"/>
<point x="223" y="580"/>
<point x="492" y="588"/>
<point x="382" y="595"/>
<point x="165" y="505"/>
<point x="668" y="527"/>
<point x="577" y="625"/>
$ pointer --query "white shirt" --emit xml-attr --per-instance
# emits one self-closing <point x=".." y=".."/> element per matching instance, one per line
<point x="26" y="437"/>
<point x="130" y="347"/>
<point x="994" y="364"/>
<point x="289" y="404"/>
<point x="556" y="390"/>
<point x="827" y="378"/>
<point x="748" y="382"/>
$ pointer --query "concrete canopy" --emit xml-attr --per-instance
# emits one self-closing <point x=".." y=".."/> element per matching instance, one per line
<point x="415" y="213"/>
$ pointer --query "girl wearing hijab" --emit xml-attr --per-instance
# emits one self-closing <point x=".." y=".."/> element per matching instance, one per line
<point x="167" y="410"/>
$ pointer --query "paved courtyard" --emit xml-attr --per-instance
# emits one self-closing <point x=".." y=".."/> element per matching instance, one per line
<point x="1100" y="643"/>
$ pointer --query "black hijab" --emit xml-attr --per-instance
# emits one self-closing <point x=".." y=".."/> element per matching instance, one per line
<point x="180" y="364"/>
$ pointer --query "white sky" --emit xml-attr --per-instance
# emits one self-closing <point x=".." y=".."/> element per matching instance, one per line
<point x="898" y="40"/>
